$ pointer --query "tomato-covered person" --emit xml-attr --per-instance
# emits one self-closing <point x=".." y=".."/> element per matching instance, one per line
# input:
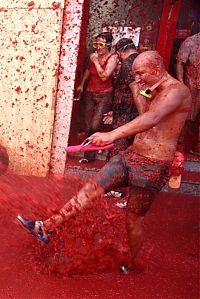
<point x="188" y="72"/>
<point x="99" y="91"/>
<point x="144" y="166"/>
<point x="124" y="107"/>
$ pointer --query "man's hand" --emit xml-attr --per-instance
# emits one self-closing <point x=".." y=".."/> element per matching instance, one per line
<point x="108" y="118"/>
<point x="80" y="88"/>
<point x="94" y="57"/>
<point x="101" y="139"/>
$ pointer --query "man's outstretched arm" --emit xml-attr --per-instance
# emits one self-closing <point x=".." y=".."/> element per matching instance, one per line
<point x="164" y="106"/>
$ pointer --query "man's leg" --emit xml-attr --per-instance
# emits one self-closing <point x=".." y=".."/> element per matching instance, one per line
<point x="102" y="104"/>
<point x="113" y="174"/>
<point x="139" y="203"/>
<point x="195" y="149"/>
<point x="90" y="192"/>
<point x="40" y="229"/>
<point x="195" y="109"/>
<point x="89" y="115"/>
<point x="89" y="110"/>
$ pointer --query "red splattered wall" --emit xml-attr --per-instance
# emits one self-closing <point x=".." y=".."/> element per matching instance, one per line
<point x="39" y="48"/>
<point x="135" y="13"/>
<point x="29" y="53"/>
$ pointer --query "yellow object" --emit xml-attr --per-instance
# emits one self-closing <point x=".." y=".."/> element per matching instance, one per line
<point x="175" y="181"/>
<point x="144" y="94"/>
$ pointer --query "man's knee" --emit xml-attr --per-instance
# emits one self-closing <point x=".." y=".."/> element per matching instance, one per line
<point x="114" y="172"/>
<point x="131" y="217"/>
<point x="90" y="191"/>
<point x="134" y="223"/>
<point x="140" y="203"/>
<point x="116" y="160"/>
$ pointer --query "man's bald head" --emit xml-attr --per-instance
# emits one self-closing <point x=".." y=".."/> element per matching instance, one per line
<point x="151" y="59"/>
<point x="148" y="67"/>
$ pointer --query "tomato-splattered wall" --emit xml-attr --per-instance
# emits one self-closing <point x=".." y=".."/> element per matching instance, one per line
<point x="144" y="14"/>
<point x="30" y="40"/>
<point x="73" y="21"/>
<point x="29" y="54"/>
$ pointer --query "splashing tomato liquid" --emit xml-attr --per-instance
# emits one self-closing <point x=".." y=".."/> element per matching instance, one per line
<point x="95" y="240"/>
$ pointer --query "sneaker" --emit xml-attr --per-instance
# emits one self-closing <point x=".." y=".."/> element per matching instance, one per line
<point x="114" y="194"/>
<point x="36" y="228"/>
<point x="83" y="161"/>
<point x="121" y="205"/>
<point x="124" y="270"/>
<point x="194" y="152"/>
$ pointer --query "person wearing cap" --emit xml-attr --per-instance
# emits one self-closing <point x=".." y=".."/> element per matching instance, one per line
<point x="123" y="107"/>
<point x="99" y="91"/>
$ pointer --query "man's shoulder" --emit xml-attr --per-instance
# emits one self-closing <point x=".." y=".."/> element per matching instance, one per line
<point x="179" y="93"/>
<point x="175" y="90"/>
<point x="195" y="37"/>
<point x="177" y="86"/>
<point x="189" y="41"/>
<point x="113" y="57"/>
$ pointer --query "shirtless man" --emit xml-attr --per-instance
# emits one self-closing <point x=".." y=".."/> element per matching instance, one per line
<point x="144" y="166"/>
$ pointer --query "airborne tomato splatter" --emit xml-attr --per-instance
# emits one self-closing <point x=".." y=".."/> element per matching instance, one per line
<point x="18" y="89"/>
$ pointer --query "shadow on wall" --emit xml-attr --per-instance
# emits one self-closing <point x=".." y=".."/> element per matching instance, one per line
<point x="4" y="160"/>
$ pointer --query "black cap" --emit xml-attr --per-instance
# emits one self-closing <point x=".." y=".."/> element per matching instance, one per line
<point x="123" y="43"/>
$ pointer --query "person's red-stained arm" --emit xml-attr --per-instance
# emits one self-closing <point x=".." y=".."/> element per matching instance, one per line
<point x="180" y="70"/>
<point x="182" y="58"/>
<point x="105" y="74"/>
<point x="85" y="77"/>
<point x="140" y="101"/>
<point x="164" y="106"/>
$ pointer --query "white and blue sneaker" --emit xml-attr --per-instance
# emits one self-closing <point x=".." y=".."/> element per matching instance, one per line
<point x="36" y="228"/>
<point x="124" y="269"/>
<point x="115" y="194"/>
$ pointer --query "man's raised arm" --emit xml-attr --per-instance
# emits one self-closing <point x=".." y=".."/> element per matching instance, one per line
<point x="164" y="106"/>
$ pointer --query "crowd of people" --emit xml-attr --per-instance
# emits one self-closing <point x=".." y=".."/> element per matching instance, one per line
<point x="145" y="132"/>
<point x="110" y="93"/>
